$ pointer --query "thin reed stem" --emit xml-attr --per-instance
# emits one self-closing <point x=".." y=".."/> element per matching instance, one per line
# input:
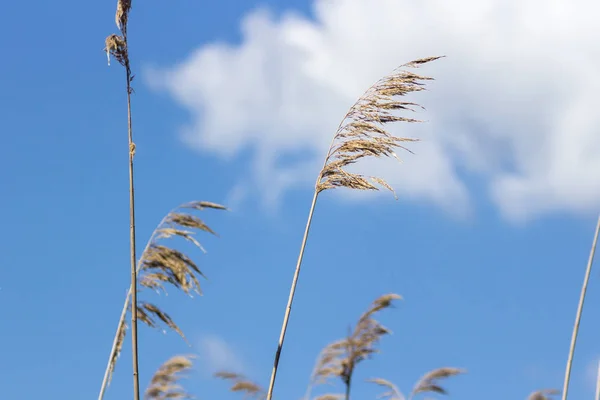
<point x="133" y="259"/>
<point x="348" y="384"/>
<point x="291" y="297"/>
<point x="579" y="312"/>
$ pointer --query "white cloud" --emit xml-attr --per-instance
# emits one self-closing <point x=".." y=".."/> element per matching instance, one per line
<point x="513" y="103"/>
<point x="217" y="355"/>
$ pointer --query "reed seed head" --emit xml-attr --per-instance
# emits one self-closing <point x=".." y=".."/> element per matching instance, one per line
<point x="240" y="384"/>
<point x="429" y="383"/>
<point x="116" y="46"/>
<point x="362" y="132"/>
<point x="160" y="265"/>
<point x="163" y="384"/>
<point x="340" y="358"/>
<point x="122" y="14"/>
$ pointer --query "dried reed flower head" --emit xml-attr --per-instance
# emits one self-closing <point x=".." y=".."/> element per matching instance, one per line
<point x="160" y="264"/>
<point x="163" y="384"/>
<point x="116" y="46"/>
<point x="117" y="352"/>
<point x="393" y="392"/>
<point x="429" y="382"/>
<point x="362" y="132"/>
<point x="339" y="358"/>
<point x="146" y="312"/>
<point x="544" y="394"/>
<point x="122" y="15"/>
<point x="330" y="396"/>
<point x="243" y="385"/>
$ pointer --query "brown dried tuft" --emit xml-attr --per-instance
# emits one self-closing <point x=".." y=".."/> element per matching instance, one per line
<point x="122" y="14"/>
<point x="116" y="46"/>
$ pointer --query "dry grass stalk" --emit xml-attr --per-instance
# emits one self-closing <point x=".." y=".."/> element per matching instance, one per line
<point x="159" y="265"/>
<point x="163" y="385"/>
<point x="545" y="394"/>
<point x="118" y="47"/>
<point x="240" y="384"/>
<point x="339" y="359"/>
<point x="361" y="134"/>
<point x="586" y="279"/>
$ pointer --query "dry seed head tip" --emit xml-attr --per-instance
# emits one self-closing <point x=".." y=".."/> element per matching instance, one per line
<point x="122" y="14"/>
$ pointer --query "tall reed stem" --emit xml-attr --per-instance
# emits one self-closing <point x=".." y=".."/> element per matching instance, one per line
<point x="579" y="312"/>
<point x="288" y="309"/>
<point x="133" y="258"/>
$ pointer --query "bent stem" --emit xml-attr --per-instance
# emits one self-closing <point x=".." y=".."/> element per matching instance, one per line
<point x="579" y="312"/>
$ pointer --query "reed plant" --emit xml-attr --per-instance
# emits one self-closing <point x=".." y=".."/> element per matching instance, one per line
<point x="362" y="133"/>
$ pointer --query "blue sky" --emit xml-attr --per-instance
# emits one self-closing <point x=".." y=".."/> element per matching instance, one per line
<point x="487" y="243"/>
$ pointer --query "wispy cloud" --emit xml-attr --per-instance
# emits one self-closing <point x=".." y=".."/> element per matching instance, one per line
<point x="591" y="372"/>
<point x="218" y="355"/>
<point x="513" y="104"/>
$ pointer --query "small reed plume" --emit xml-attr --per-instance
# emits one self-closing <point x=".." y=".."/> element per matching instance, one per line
<point x="544" y="394"/>
<point x="361" y="134"/>
<point x="339" y="359"/>
<point x="160" y="265"/>
<point x="163" y="385"/>
<point x="427" y="384"/>
<point x="240" y="384"/>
